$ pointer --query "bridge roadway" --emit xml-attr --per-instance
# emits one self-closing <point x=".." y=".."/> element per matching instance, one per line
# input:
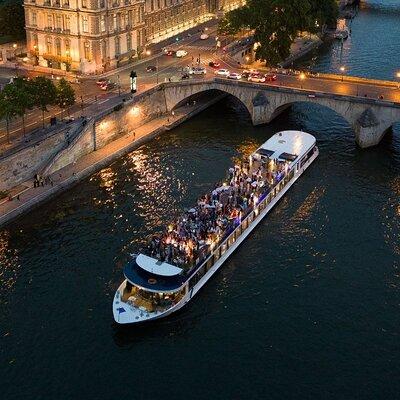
<point x="370" y="117"/>
<point x="169" y="66"/>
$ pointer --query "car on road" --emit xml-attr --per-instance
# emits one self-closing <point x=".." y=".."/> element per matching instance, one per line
<point x="235" y="75"/>
<point x="102" y="81"/>
<point x="181" y="53"/>
<point x="198" y="71"/>
<point x="204" y="36"/>
<point x="270" y="77"/>
<point x="256" y="78"/>
<point x="151" y="68"/>
<point x="222" y="72"/>
<point x="214" y="64"/>
<point x="247" y="72"/>
<point x="170" y="53"/>
<point x="107" y="86"/>
<point x="185" y="76"/>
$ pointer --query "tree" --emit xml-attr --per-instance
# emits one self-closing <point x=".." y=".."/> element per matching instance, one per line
<point x="65" y="95"/>
<point x="276" y="23"/>
<point x="7" y="109"/>
<point x="12" y="19"/>
<point x="22" y="98"/>
<point x="44" y="94"/>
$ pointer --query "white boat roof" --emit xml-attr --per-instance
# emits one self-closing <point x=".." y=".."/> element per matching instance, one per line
<point x="156" y="267"/>
<point x="290" y="142"/>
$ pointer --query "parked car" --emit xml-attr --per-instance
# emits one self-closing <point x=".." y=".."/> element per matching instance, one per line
<point x="102" y="81"/>
<point x="181" y="53"/>
<point x="214" y="64"/>
<point x="198" y="71"/>
<point x="185" y="76"/>
<point x="235" y="75"/>
<point x="204" y="36"/>
<point x="151" y="68"/>
<point x="222" y="72"/>
<point x="247" y="72"/>
<point x="270" y="77"/>
<point x="256" y="78"/>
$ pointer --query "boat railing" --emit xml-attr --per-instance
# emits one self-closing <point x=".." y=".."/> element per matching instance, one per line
<point x="266" y="198"/>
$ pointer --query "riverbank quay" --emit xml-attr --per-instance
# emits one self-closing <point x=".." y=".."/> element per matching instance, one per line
<point x="26" y="197"/>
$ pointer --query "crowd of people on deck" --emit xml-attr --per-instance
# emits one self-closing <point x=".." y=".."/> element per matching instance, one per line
<point x="201" y="228"/>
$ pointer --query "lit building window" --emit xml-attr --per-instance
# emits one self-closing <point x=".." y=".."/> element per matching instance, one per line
<point x="58" y="47"/>
<point x="117" y="46"/>
<point x="67" y="22"/>
<point x="49" y="45"/>
<point x="67" y="45"/>
<point x="49" y="21"/>
<point x="85" y="24"/>
<point x="34" y="18"/>
<point x="58" y="21"/>
<point x="84" y="3"/>
<point x="103" y="23"/>
<point x="86" y="49"/>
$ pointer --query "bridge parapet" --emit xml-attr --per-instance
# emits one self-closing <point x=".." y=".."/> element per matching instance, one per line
<point x="266" y="101"/>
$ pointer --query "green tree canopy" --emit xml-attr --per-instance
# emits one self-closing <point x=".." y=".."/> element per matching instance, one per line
<point x="276" y="23"/>
<point x="65" y="94"/>
<point x="19" y="95"/>
<point x="44" y="94"/>
<point x="7" y="107"/>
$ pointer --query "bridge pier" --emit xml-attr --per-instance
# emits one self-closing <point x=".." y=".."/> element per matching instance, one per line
<point x="369" y="130"/>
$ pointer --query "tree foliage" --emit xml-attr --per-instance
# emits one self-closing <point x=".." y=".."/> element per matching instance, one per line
<point x="44" y="94"/>
<point x="12" y="19"/>
<point x="276" y="23"/>
<point x="65" y="94"/>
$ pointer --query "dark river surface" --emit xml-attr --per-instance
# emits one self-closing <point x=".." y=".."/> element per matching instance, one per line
<point x="307" y="308"/>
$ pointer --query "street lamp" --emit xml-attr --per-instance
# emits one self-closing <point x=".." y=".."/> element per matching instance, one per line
<point x="302" y="78"/>
<point x="398" y="77"/>
<point x="247" y="59"/>
<point x="342" y="70"/>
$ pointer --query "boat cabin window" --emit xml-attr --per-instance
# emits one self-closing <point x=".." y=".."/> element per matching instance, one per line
<point x="288" y="156"/>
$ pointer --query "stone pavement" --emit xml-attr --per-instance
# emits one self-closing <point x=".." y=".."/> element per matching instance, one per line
<point x="68" y="176"/>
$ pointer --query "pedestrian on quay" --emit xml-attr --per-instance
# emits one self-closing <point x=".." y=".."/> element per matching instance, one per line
<point x="18" y="197"/>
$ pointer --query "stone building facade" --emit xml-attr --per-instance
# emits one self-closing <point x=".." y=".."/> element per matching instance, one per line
<point x="92" y="36"/>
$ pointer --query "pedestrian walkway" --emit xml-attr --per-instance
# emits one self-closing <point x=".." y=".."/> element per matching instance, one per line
<point x="66" y="177"/>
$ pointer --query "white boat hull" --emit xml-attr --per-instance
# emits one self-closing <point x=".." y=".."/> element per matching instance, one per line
<point x="134" y="315"/>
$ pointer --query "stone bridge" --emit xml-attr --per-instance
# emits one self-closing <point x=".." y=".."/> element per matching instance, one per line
<point x="370" y="118"/>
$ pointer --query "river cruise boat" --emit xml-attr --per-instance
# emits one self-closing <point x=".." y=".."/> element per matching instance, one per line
<point x="177" y="263"/>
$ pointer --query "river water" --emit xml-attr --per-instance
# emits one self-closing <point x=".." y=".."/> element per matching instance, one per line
<point x="308" y="307"/>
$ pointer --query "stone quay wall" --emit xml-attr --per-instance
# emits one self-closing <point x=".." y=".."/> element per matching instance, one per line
<point x="67" y="146"/>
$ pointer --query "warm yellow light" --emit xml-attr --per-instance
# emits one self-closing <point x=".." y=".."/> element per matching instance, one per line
<point x="148" y="52"/>
<point x="398" y="74"/>
<point x="302" y="76"/>
<point x="15" y="45"/>
<point x="247" y="58"/>
<point x="342" y="68"/>
<point x="135" y="111"/>
<point x="67" y="52"/>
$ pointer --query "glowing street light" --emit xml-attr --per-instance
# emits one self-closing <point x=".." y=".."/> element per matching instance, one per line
<point x="342" y="70"/>
<point x="398" y="77"/>
<point x="302" y="78"/>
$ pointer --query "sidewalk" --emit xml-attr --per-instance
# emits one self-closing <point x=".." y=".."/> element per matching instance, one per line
<point x="30" y="197"/>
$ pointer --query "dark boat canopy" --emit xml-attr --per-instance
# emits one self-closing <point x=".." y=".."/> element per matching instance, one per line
<point x="150" y="281"/>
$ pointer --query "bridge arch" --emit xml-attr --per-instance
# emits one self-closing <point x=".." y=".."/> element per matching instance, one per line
<point x="179" y="94"/>
<point x="315" y="107"/>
